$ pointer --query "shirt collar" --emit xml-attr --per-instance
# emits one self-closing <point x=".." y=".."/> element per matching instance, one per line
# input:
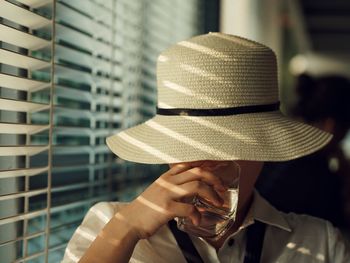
<point x="263" y="211"/>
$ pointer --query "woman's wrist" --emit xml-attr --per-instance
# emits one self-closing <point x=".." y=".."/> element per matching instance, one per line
<point x="126" y="229"/>
<point x="115" y="243"/>
<point x="129" y="215"/>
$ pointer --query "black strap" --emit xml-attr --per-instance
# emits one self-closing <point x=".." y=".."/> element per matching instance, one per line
<point x="255" y="240"/>
<point x="219" y="111"/>
<point x="185" y="243"/>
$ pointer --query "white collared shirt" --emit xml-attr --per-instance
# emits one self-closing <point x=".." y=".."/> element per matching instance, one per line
<point x="289" y="238"/>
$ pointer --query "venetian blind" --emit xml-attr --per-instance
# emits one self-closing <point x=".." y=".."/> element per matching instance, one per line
<point x="73" y="72"/>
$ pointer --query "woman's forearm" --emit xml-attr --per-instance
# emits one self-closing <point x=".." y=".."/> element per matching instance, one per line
<point x="115" y="243"/>
<point x="158" y="204"/>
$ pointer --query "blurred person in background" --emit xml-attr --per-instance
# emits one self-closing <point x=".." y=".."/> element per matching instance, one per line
<point x="317" y="184"/>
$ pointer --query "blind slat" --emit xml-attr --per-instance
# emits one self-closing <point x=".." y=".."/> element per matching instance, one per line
<point x="14" y="128"/>
<point x="74" y="94"/>
<point x="78" y="186"/>
<point x="37" y="234"/>
<point x="84" y="23"/>
<point x="21" y="61"/>
<point x="115" y="118"/>
<point x="22" y="172"/>
<point x="81" y="58"/>
<point x="20" y="83"/>
<point x="73" y="74"/>
<point x="86" y="42"/>
<point x="78" y="131"/>
<point x="22" y="16"/>
<point x="34" y="3"/>
<point x="81" y="76"/>
<point x="23" y="194"/>
<point x="95" y="10"/>
<point x="30" y="257"/>
<point x="75" y="168"/>
<point x="22" y="106"/>
<point x="78" y="149"/>
<point x="105" y="3"/>
<point x="21" y="150"/>
<point x="73" y="18"/>
<point x="106" y="100"/>
<point x="13" y="219"/>
<point x="22" y="39"/>
<point x="72" y="113"/>
<point x="86" y="114"/>
<point x="73" y="37"/>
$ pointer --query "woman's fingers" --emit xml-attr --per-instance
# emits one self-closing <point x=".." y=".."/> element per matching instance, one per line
<point x="189" y="184"/>
<point x="185" y="210"/>
<point x="181" y="167"/>
<point x="198" y="174"/>
<point x="201" y="189"/>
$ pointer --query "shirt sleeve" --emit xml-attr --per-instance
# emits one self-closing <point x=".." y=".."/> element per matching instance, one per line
<point x="94" y="221"/>
<point x="339" y="249"/>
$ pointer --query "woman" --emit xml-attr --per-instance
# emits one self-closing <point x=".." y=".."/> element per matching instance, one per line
<point x="217" y="110"/>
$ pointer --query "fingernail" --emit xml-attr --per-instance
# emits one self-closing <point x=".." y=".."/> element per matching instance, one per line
<point x="219" y="202"/>
<point x="221" y="188"/>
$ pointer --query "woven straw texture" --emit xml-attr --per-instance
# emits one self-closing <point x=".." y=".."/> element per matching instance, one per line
<point x="217" y="71"/>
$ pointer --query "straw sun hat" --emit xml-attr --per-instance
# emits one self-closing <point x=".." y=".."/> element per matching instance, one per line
<point x="217" y="100"/>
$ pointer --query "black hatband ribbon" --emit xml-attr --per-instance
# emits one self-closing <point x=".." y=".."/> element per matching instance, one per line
<point x="219" y="111"/>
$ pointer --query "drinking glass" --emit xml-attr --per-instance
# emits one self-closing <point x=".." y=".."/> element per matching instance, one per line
<point x="215" y="220"/>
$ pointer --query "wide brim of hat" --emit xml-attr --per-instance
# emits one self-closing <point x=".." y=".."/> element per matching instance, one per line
<point x="268" y="136"/>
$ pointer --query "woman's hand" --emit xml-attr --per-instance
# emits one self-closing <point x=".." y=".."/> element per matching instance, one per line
<point x="166" y="198"/>
<point x="160" y="202"/>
